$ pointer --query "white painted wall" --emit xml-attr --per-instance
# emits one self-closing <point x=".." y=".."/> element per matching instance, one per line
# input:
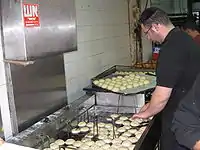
<point x="103" y="41"/>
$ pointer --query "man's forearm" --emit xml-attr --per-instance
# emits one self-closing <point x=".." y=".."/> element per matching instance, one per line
<point x="158" y="101"/>
<point x="157" y="104"/>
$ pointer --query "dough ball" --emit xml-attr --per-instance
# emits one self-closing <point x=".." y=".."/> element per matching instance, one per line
<point x="108" y="140"/>
<point x="116" y="141"/>
<point x="100" y="84"/>
<point x="128" y="80"/>
<point x="106" y="146"/>
<point x="137" y="77"/>
<point x="146" y="82"/>
<point x="74" y="123"/>
<point x="121" y="129"/>
<point x="89" y="135"/>
<point x="123" y="138"/>
<point x="115" y="89"/>
<point x="59" y="142"/>
<point x="82" y="124"/>
<point x="108" y="126"/>
<point x="132" y="147"/>
<point x="90" y="124"/>
<point x="111" y="84"/>
<point x="132" y="131"/>
<point x="95" y="147"/>
<point x="117" y="85"/>
<point x="96" y="82"/>
<point x="119" y="122"/>
<point x="125" y="84"/>
<point x="141" y="83"/>
<point x="76" y="131"/>
<point x="69" y="141"/>
<point x="109" y="119"/>
<point x="126" y="143"/>
<point x="85" y="147"/>
<point x="101" y="124"/>
<point x="85" y="140"/>
<point x="127" y="134"/>
<point x="138" y="135"/>
<point x="77" y="143"/>
<point x="85" y="129"/>
<point x="89" y="143"/>
<point x="142" y="129"/>
<point x="135" y="85"/>
<point x="100" y="143"/>
<point x="129" y="86"/>
<point x="127" y="127"/>
<point x="108" y="80"/>
<point x="112" y="148"/>
<point x="114" y="78"/>
<point x="142" y="78"/>
<point x="126" y="77"/>
<point x="101" y="80"/>
<point x="116" y="145"/>
<point x="123" y="118"/>
<point x="126" y="123"/>
<point x="134" y="124"/>
<point x="133" y="139"/>
<point x="114" y="116"/>
<point x="122" y="88"/>
<point x="54" y="146"/>
<point x="119" y="77"/>
<point x="104" y="86"/>
<point x="110" y="87"/>
<point x="102" y="136"/>
<point x="123" y="148"/>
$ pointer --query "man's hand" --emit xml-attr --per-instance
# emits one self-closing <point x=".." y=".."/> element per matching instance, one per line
<point x="197" y="146"/>
<point x="141" y="115"/>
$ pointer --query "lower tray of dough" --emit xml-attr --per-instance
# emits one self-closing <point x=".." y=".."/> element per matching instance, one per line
<point x="102" y="130"/>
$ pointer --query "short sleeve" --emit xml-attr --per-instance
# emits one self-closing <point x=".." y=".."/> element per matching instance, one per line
<point x="171" y="64"/>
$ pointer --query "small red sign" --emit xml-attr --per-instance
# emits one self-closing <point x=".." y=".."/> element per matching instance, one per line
<point x="31" y="15"/>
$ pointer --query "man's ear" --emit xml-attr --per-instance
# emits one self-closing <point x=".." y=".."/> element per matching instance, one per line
<point x="155" y="27"/>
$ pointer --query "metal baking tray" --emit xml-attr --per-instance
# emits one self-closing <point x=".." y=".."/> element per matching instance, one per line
<point x="110" y="72"/>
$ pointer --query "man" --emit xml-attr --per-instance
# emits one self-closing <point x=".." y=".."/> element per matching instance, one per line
<point x="177" y="68"/>
<point x="186" y="123"/>
<point x="191" y="29"/>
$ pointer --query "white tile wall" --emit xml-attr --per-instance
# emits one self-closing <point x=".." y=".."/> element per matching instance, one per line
<point x="103" y="41"/>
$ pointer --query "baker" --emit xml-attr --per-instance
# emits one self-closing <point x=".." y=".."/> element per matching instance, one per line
<point x="192" y="29"/>
<point x="186" y="122"/>
<point x="177" y="68"/>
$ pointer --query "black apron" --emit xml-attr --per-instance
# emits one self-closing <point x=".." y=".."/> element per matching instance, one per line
<point x="168" y="139"/>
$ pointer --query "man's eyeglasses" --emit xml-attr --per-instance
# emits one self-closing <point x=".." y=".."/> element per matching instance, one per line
<point x="147" y="30"/>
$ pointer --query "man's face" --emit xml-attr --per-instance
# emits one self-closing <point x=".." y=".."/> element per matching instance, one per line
<point x="152" y="33"/>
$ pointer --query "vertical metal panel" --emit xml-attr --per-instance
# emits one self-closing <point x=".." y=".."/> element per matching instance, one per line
<point x="56" y="34"/>
<point x="38" y="88"/>
<point x="13" y="31"/>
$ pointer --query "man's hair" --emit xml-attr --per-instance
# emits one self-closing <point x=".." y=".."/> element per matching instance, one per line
<point x="154" y="15"/>
<point x="190" y="24"/>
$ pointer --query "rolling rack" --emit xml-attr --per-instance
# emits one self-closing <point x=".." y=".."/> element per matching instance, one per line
<point x="150" y="137"/>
